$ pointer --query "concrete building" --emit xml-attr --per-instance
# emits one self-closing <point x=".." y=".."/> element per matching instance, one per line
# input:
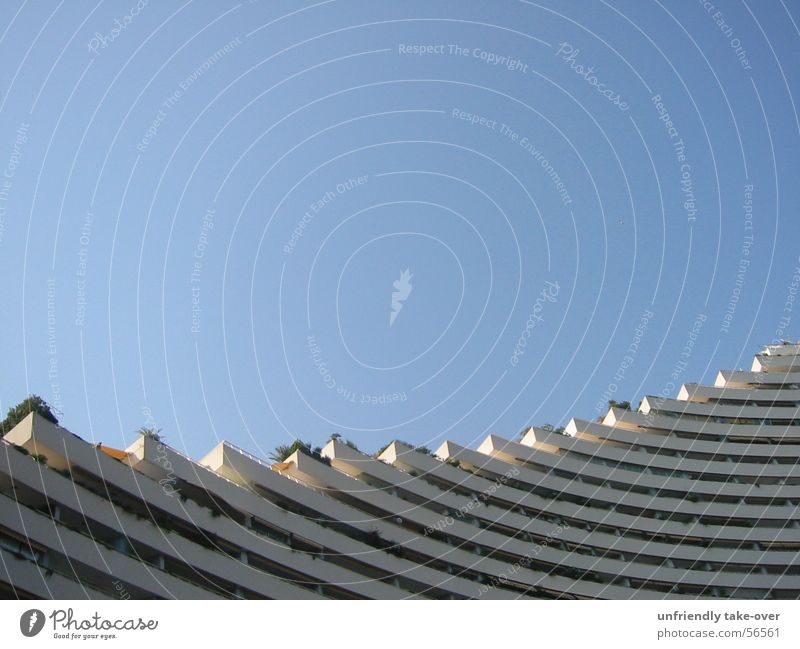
<point x="689" y="497"/>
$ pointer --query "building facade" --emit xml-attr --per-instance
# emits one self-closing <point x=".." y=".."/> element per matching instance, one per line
<point x="689" y="497"/>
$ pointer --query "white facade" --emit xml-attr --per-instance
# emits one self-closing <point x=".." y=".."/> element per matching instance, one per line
<point x="695" y="496"/>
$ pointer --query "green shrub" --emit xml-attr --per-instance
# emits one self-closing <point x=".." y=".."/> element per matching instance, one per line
<point x="16" y="414"/>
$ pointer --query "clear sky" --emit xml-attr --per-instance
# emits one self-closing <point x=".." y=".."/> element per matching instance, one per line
<point x="208" y="209"/>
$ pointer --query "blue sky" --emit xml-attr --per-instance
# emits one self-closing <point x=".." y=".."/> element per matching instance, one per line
<point x="207" y="210"/>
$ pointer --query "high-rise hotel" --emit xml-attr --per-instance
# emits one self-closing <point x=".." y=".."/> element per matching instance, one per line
<point x="689" y="497"/>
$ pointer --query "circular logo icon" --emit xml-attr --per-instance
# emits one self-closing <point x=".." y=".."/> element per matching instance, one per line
<point x="31" y="622"/>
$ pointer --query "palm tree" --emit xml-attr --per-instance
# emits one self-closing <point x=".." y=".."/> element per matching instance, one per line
<point x="152" y="433"/>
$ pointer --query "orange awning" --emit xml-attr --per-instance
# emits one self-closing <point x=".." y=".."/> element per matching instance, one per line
<point x="113" y="452"/>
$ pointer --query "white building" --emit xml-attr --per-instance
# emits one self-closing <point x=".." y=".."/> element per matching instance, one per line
<point x="690" y="497"/>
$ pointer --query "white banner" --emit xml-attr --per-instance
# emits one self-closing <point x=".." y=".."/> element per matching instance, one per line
<point x="742" y="623"/>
